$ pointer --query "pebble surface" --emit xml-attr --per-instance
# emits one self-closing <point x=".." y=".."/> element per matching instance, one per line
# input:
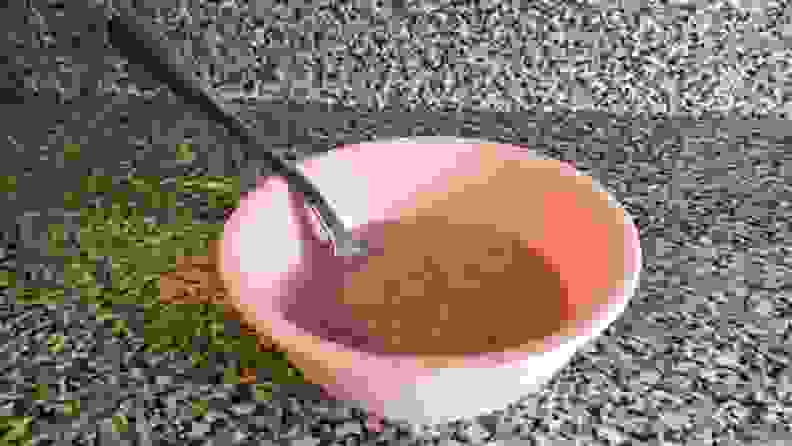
<point x="702" y="352"/>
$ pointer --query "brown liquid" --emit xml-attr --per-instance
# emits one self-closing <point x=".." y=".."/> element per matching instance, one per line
<point x="445" y="288"/>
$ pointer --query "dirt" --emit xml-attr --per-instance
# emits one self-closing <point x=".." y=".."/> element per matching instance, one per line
<point x="196" y="280"/>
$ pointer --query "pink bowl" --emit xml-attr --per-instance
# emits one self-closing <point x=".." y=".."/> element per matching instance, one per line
<point x="282" y="274"/>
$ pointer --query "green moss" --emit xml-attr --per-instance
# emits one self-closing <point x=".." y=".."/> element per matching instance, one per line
<point x="40" y="392"/>
<point x="263" y="392"/>
<point x="120" y="328"/>
<point x="56" y="237"/>
<point x="140" y="251"/>
<point x="198" y="359"/>
<point x="185" y="153"/>
<point x="71" y="152"/>
<point x="8" y="279"/>
<point x="120" y="423"/>
<point x="71" y="408"/>
<point x="56" y="343"/>
<point x="96" y="184"/>
<point x="200" y="408"/>
<point x="15" y="431"/>
<point x="103" y="313"/>
<point x="230" y="376"/>
<point x="71" y="200"/>
<point x="43" y="296"/>
<point x="8" y="184"/>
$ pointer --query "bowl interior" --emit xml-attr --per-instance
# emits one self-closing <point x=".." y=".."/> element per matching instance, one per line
<point x="288" y="277"/>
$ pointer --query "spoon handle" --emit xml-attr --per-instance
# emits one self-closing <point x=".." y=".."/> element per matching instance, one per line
<point x="137" y="40"/>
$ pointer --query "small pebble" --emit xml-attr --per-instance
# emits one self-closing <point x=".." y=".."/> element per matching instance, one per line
<point x="306" y="441"/>
<point x="199" y="430"/>
<point x="243" y="408"/>
<point x="350" y="427"/>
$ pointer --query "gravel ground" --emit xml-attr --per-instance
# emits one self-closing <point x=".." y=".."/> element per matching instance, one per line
<point x="687" y="130"/>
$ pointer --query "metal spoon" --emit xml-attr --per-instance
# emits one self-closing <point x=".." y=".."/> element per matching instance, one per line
<point x="131" y="35"/>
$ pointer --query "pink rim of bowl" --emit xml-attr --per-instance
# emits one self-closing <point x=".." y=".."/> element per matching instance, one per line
<point x="281" y="273"/>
